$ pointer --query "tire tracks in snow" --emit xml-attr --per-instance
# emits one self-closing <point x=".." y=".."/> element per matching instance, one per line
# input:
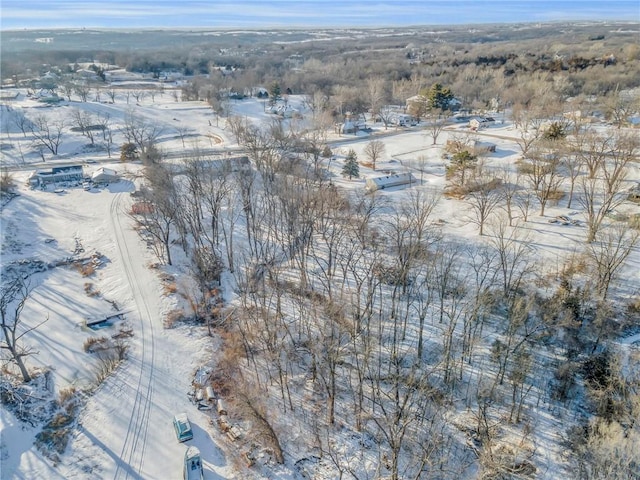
<point x="135" y="440"/>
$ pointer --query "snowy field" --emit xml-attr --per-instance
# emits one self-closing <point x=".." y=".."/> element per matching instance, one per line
<point x="125" y="428"/>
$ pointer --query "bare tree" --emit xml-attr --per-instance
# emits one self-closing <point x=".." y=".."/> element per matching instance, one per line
<point x="523" y="200"/>
<point x="316" y="102"/>
<point x="542" y="169"/>
<point x="47" y="133"/>
<point x="104" y="120"/>
<point x="483" y="197"/>
<point x="67" y="89"/>
<point x="111" y="93"/>
<point x="399" y="403"/>
<point x="573" y="163"/>
<point x="138" y="95"/>
<point x="21" y="121"/>
<point x="509" y="188"/>
<point x="374" y="151"/>
<point x="329" y="350"/>
<point x="238" y="126"/>
<point x="514" y="262"/>
<point x="160" y="213"/>
<point x="82" y="90"/>
<point x="84" y="122"/>
<point x="482" y="279"/>
<point x="608" y="252"/>
<point x="376" y="93"/>
<point x="418" y="107"/>
<point x="386" y="115"/>
<point x="141" y="133"/>
<point x="13" y="296"/>
<point x="436" y="123"/>
<point x="603" y="193"/>
<point x="528" y="122"/>
<point x="620" y="106"/>
<point x="592" y="149"/>
<point x="182" y="131"/>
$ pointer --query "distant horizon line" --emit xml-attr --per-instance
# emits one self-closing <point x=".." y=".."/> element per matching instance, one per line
<point x="326" y="27"/>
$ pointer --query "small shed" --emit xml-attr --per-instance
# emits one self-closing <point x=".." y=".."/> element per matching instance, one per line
<point x="380" y="183"/>
<point x="478" y="123"/>
<point x="480" y="148"/>
<point x="105" y="175"/>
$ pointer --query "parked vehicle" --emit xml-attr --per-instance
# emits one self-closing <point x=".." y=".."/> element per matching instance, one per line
<point x="182" y="427"/>
<point x="192" y="465"/>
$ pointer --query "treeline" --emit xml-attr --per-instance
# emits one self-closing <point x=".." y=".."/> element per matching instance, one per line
<point x="591" y="67"/>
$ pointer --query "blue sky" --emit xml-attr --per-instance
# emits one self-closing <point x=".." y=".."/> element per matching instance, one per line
<point x="18" y="14"/>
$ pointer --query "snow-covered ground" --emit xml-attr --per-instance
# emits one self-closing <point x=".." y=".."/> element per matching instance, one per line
<point x="125" y="428"/>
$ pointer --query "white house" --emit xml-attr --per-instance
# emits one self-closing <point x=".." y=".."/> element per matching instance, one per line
<point x="105" y="175"/>
<point x="380" y="183"/>
<point x="477" y="123"/>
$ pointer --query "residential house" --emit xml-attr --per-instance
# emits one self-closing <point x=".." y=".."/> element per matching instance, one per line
<point x="396" y="180"/>
<point x="478" y="123"/>
<point x="42" y="177"/>
<point x="105" y="175"/>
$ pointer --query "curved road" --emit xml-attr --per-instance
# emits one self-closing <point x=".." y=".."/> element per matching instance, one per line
<point x="127" y="428"/>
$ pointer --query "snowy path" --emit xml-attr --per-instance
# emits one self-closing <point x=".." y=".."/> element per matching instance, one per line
<point x="134" y="445"/>
<point x="126" y="429"/>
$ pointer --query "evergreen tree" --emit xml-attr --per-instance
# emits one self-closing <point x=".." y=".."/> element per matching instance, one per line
<point x="128" y="152"/>
<point x="439" y="97"/>
<point x="351" y="168"/>
<point x="275" y="92"/>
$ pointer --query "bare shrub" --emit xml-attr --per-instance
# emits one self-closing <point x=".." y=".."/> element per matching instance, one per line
<point x="110" y="352"/>
<point x="88" y="289"/>
<point x="95" y="344"/>
<point x="166" y="277"/>
<point x="52" y="441"/>
<point x="367" y="164"/>
<point x="173" y="317"/>
<point x="564" y="381"/>
<point x="555" y="194"/>
<point x="169" y="288"/>
<point x="69" y="400"/>
<point x="507" y="461"/>
<point x="575" y="264"/>
<point x="633" y="307"/>
<point x="6" y="182"/>
<point x="66" y="395"/>
<point x="108" y="361"/>
<point x="252" y="409"/>
<point x="120" y="347"/>
<point x="60" y="420"/>
<point x="125" y="331"/>
<point x="85" y="269"/>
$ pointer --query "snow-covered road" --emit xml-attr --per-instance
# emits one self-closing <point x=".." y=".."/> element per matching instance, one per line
<point x="126" y="427"/>
<point x="132" y="453"/>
